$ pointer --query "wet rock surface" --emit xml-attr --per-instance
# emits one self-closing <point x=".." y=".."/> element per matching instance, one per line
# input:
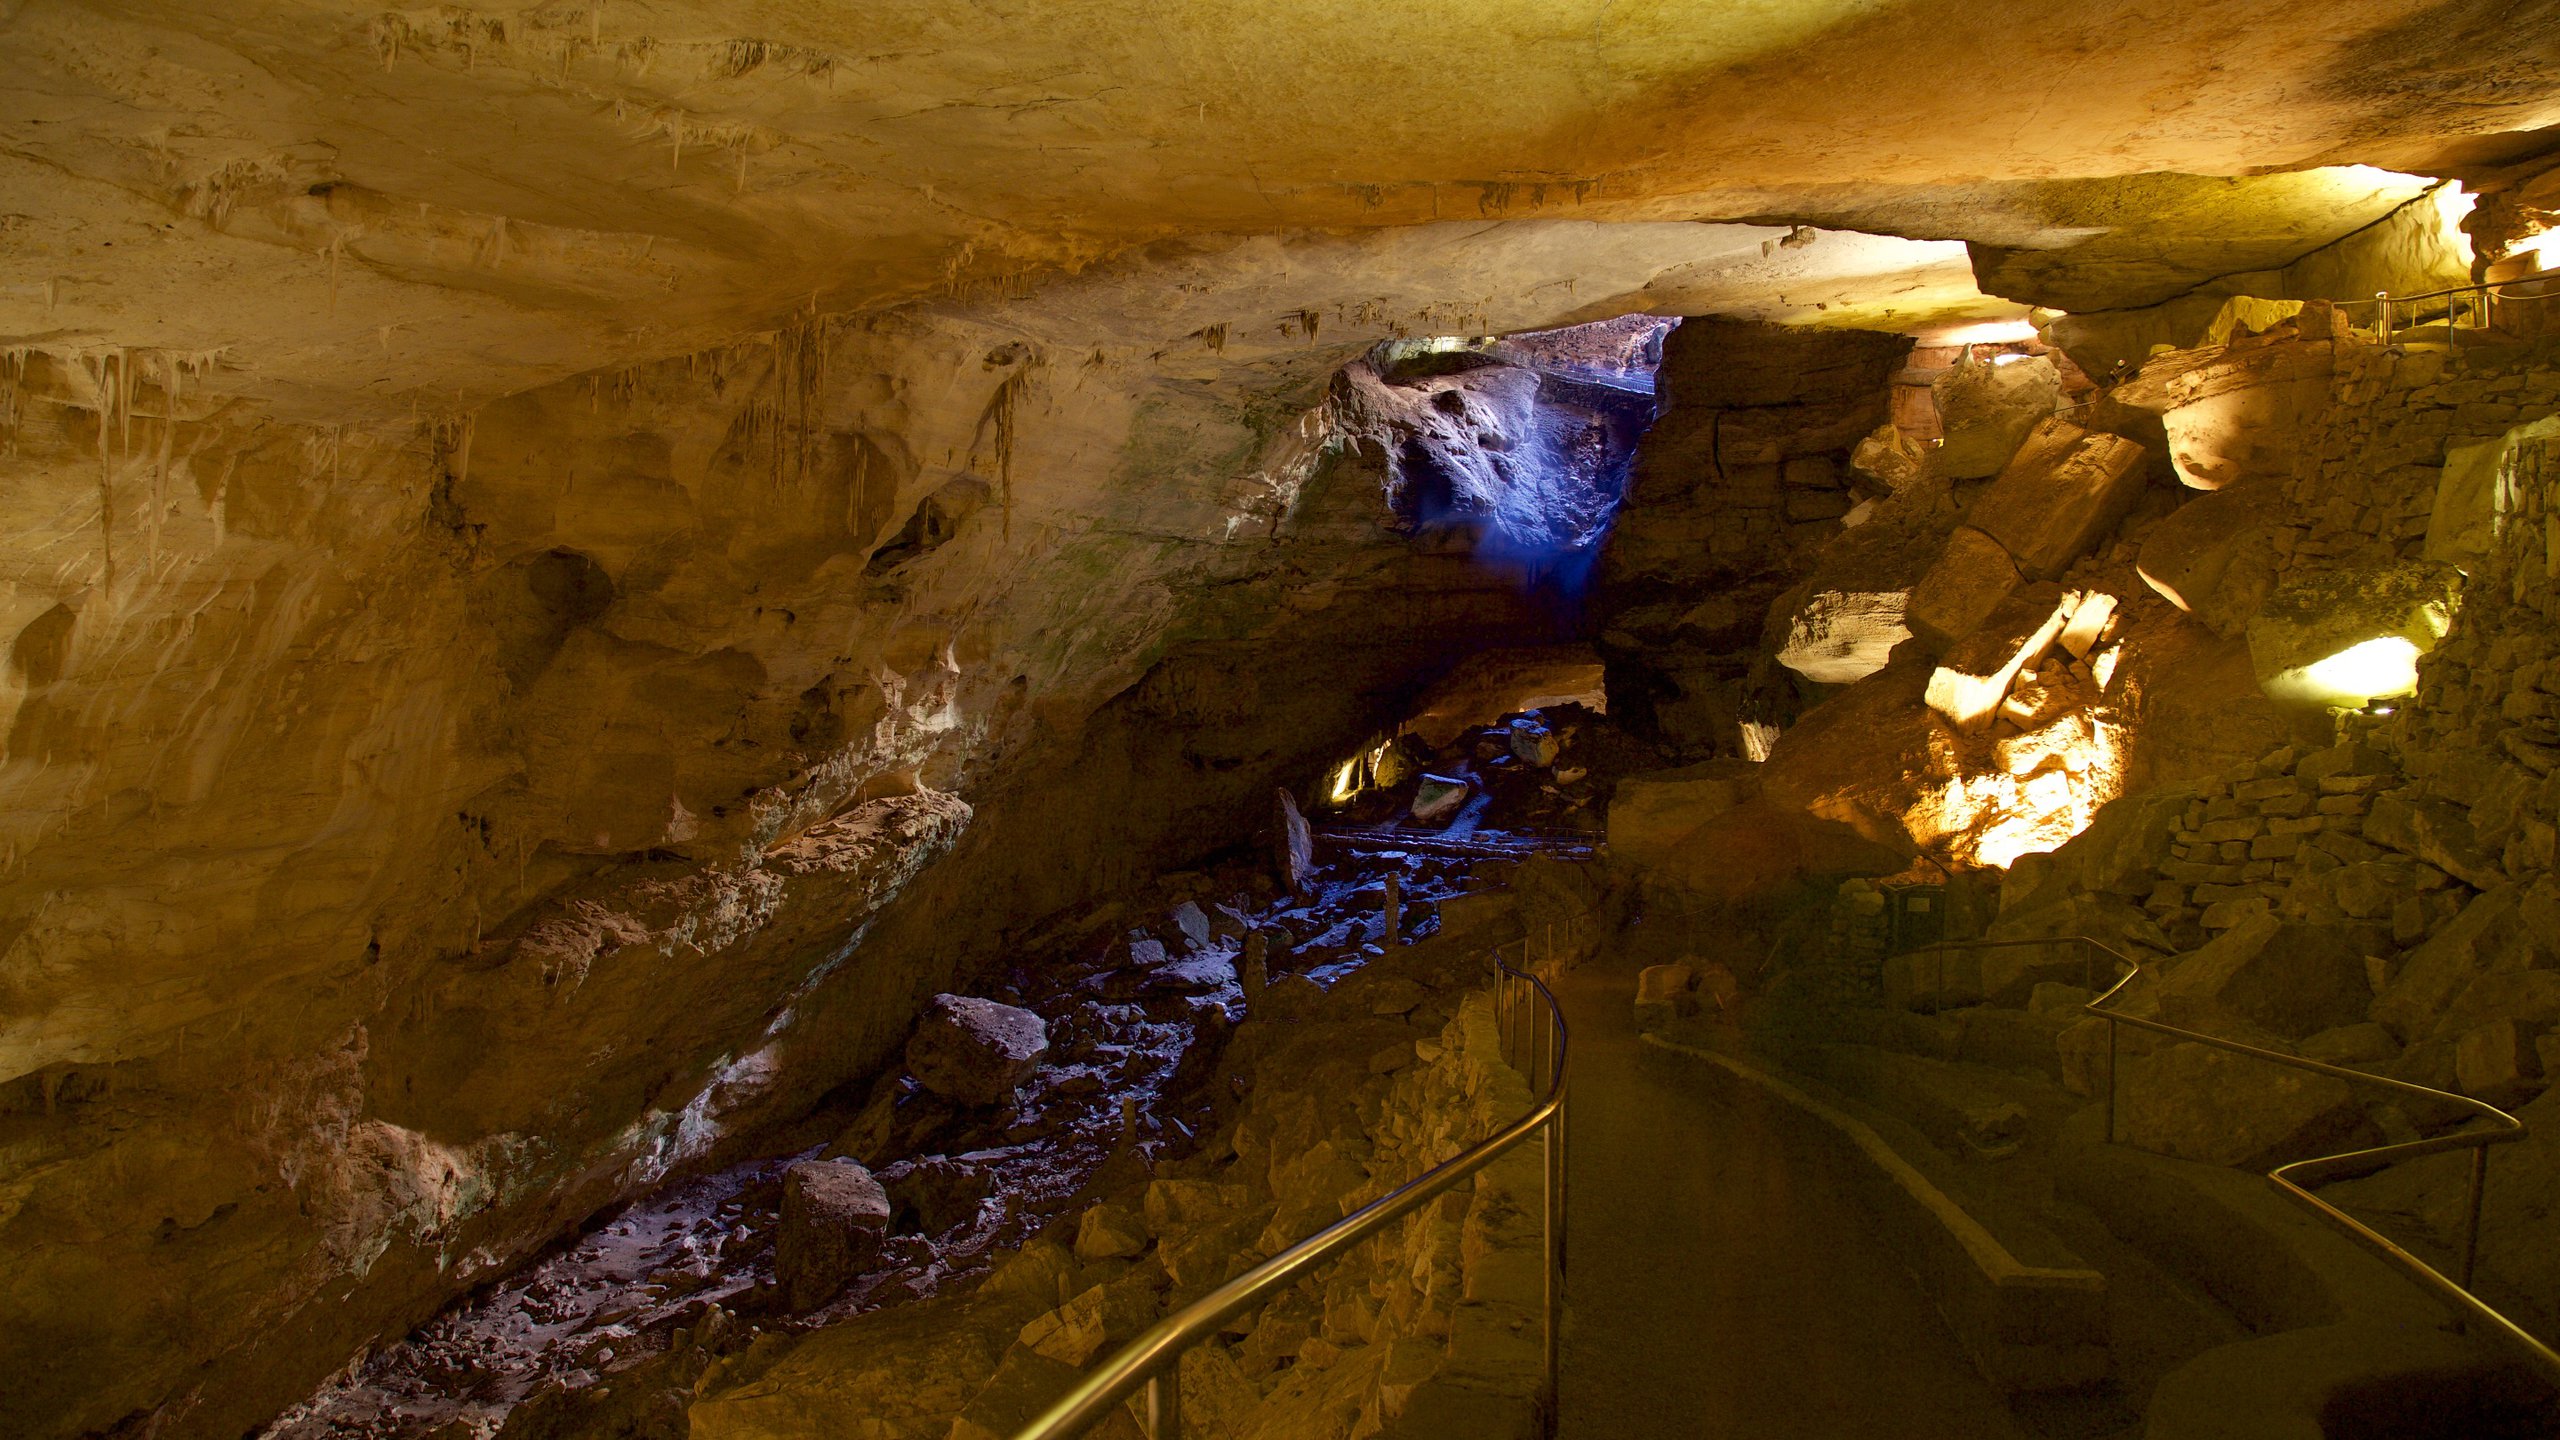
<point x="1096" y="1120"/>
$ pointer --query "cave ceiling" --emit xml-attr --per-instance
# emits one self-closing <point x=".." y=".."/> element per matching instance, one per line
<point x="379" y="211"/>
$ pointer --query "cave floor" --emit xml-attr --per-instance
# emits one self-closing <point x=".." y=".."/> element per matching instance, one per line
<point x="1721" y="1283"/>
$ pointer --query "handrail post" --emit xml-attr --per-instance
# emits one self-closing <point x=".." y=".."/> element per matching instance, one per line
<point x="2111" y="1080"/>
<point x="2382" y="316"/>
<point x="1164" y="1402"/>
<point x="2471" y="1217"/>
<point x="1550" y="1142"/>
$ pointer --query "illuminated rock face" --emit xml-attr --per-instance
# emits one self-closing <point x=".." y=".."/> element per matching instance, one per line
<point x="1987" y="412"/>
<point x="553" y="761"/>
<point x="2235" y="412"/>
<point x="528" y="529"/>
<point x="2349" y="635"/>
<point x="1842" y="637"/>
<point x="2062" y="491"/>
<point x="2214" y="557"/>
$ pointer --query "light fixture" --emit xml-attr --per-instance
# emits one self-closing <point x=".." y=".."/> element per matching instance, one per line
<point x="1988" y="332"/>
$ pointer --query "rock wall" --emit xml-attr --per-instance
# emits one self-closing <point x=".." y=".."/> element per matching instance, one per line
<point x="419" y="838"/>
<point x="1431" y="1329"/>
<point x="2420" y="845"/>
<point x="1737" y="486"/>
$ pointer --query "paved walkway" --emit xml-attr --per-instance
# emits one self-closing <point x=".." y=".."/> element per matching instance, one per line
<point x="1720" y="1285"/>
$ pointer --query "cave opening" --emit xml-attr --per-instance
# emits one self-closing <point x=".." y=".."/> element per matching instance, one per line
<point x="746" y="723"/>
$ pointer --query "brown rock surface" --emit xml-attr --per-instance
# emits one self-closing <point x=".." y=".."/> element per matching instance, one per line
<point x="1971" y="579"/>
<point x="2198" y="1103"/>
<point x="2214" y="556"/>
<point x="570" y="567"/>
<point x="2234" y="413"/>
<point x="976" y="1051"/>
<point x="2488" y="938"/>
<point x="2268" y="976"/>
<point x="1988" y="410"/>
<point x="833" y="1217"/>
<point x="2064" y="490"/>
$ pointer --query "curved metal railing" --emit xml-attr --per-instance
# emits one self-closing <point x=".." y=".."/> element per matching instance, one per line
<point x="2296" y="1179"/>
<point x="2481" y="297"/>
<point x="1152" y="1361"/>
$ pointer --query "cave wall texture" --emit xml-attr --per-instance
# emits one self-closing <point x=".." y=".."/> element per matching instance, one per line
<point x="564" y="567"/>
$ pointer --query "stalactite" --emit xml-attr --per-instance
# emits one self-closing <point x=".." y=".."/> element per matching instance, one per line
<point x="996" y="423"/>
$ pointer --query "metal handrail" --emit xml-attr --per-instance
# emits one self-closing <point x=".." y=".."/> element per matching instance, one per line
<point x="2296" y="1178"/>
<point x="2485" y="298"/>
<point x="1152" y="1361"/>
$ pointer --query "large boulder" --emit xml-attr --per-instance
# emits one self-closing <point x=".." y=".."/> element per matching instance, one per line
<point x="1889" y="458"/>
<point x="975" y="1051"/>
<point x="2121" y="850"/>
<point x="2267" y="975"/>
<point x="2064" y="490"/>
<point x="2234" y="412"/>
<point x="1652" y="814"/>
<point x="2463" y="527"/>
<point x="2529" y="997"/>
<point x="2200" y="1103"/>
<point x="1838" y="637"/>
<point x="2489" y="937"/>
<point x="2009" y="974"/>
<point x="2346" y="635"/>
<point x="1975" y="673"/>
<point x="2499" y="1063"/>
<point x="2438" y="832"/>
<point x="1974" y="574"/>
<point x="1664" y="993"/>
<point x="2215" y="556"/>
<point x="833" y="1217"/>
<point x="1986" y="411"/>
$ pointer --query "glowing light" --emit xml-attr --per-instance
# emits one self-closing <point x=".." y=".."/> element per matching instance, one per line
<point x="2453" y="206"/>
<point x="2104" y="666"/>
<point x="1758" y="740"/>
<point x="1346" y="781"/>
<point x="1987" y="332"/>
<point x="2539" y="247"/>
<point x="2046" y="787"/>
<point x="2361" y="673"/>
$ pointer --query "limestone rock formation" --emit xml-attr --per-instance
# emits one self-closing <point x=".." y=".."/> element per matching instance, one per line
<point x="2214" y="557"/>
<point x="833" y="1217"/>
<point x="2235" y="412"/>
<point x="570" y="568"/>
<point x="2064" y="490"/>
<point x="1839" y="637"/>
<point x="2266" y="976"/>
<point x="2199" y="1103"/>
<point x="975" y="1051"/>
<point x="1988" y="411"/>
<point x="1652" y="814"/>
<point x="2351" y="633"/>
